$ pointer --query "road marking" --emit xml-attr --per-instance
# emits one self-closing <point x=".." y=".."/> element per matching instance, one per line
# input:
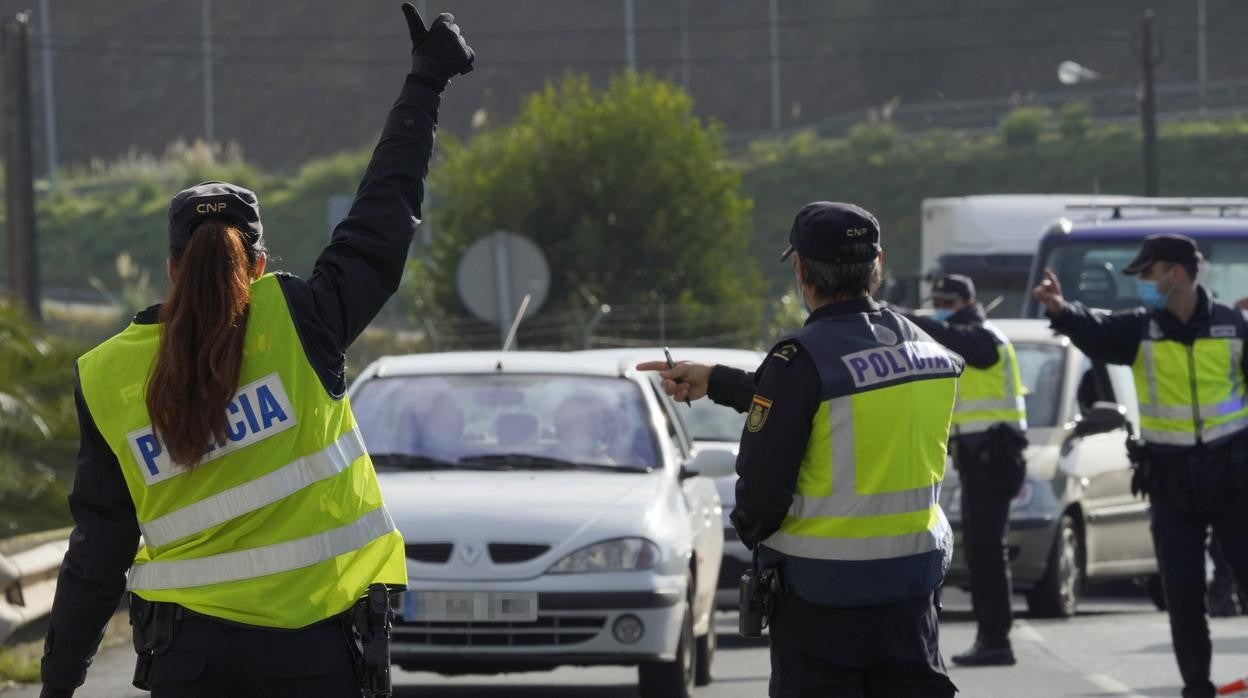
<point x="1026" y="630"/>
<point x="1111" y="684"/>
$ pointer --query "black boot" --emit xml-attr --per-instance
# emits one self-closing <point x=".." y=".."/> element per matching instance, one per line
<point x="986" y="654"/>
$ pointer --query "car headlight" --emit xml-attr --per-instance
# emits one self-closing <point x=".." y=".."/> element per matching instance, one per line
<point x="619" y="555"/>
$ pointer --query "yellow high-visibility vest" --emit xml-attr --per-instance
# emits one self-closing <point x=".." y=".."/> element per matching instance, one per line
<point x="865" y="526"/>
<point x="282" y="524"/>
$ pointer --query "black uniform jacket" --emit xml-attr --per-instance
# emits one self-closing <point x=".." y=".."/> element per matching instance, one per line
<point x="352" y="279"/>
<point x="1116" y="338"/>
<point x="964" y="333"/>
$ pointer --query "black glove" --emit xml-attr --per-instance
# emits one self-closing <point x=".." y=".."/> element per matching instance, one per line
<point x="439" y="53"/>
<point x="1141" y="467"/>
<point x="49" y="692"/>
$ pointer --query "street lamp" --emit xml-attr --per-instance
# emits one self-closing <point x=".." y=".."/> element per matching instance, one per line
<point x="1071" y="73"/>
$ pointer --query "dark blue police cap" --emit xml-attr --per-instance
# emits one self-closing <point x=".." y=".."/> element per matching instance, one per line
<point x="829" y="232"/>
<point x="190" y="207"/>
<point x="947" y="287"/>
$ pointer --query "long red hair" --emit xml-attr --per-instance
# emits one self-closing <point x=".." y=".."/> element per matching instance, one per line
<point x="201" y="347"/>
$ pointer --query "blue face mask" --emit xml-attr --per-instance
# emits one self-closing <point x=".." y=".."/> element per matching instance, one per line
<point x="1150" y="296"/>
<point x="941" y="314"/>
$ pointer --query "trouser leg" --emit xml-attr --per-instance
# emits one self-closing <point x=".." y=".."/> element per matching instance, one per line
<point x="1179" y="539"/>
<point x="985" y="516"/>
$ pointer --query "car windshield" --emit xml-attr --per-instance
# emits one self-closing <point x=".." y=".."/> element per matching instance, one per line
<point x="1090" y="271"/>
<point x="1041" y="367"/>
<point x="709" y="421"/>
<point x="505" y="421"/>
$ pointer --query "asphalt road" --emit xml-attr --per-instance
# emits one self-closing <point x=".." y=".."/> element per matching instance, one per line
<point x="1118" y="647"/>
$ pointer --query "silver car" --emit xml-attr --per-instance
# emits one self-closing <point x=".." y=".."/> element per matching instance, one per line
<point x="1074" y="521"/>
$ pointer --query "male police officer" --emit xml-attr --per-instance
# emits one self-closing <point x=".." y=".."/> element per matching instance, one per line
<point x="1187" y="353"/>
<point x="987" y="440"/>
<point x="840" y="465"/>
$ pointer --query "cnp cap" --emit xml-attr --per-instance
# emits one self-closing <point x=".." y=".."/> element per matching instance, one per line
<point x="948" y="287"/>
<point x="1164" y="247"/>
<point x="834" y="232"/>
<point x="190" y="207"/>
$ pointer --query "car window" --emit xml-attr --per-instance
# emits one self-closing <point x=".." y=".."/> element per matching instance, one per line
<point x="1042" y="368"/>
<point x="669" y="419"/>
<point x="711" y="421"/>
<point x="582" y="419"/>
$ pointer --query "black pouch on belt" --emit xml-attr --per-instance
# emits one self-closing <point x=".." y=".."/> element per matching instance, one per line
<point x="154" y="625"/>
<point x="373" y="619"/>
<point x="1002" y="454"/>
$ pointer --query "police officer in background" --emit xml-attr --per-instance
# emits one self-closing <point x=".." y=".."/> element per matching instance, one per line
<point x="986" y="440"/>
<point x="840" y="464"/>
<point x="215" y="424"/>
<point x="1187" y="353"/>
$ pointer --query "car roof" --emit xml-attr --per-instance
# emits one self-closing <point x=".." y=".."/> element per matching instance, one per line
<point x="1032" y="331"/>
<point x="737" y="358"/>
<point x="572" y="363"/>
<point x="1114" y="228"/>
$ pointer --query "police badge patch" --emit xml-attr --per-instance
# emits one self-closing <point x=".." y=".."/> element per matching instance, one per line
<point x="759" y="409"/>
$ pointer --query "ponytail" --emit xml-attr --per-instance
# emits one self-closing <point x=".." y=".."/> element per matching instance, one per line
<point x="201" y="349"/>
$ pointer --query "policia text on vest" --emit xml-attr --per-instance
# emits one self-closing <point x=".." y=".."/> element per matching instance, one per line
<point x="265" y="569"/>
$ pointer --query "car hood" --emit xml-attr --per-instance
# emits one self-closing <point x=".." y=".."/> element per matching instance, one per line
<point x="472" y="509"/>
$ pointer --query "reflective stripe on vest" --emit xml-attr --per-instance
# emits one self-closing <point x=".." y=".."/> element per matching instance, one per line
<point x="265" y="560"/>
<point x="993" y="395"/>
<point x="282" y="523"/>
<point x="875" y="497"/>
<point x="1190" y="394"/>
<point x="252" y="495"/>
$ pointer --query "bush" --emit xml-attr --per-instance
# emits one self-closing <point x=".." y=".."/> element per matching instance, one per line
<point x="1023" y="126"/>
<point x="1074" y="121"/>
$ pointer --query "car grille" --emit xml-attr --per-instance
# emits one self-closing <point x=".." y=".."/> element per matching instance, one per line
<point x="437" y="553"/>
<point x="730" y="571"/>
<point x="546" y="630"/>
<point x="512" y="553"/>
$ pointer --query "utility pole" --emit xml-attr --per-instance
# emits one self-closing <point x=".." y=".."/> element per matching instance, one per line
<point x="49" y="101"/>
<point x="19" y="195"/>
<point x="684" y="44"/>
<point x="1202" y="52"/>
<point x="630" y="36"/>
<point x="1148" y="105"/>
<point x="773" y="15"/>
<point x="210" y="126"/>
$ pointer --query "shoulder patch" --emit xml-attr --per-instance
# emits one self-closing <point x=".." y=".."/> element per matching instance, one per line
<point x="786" y="352"/>
<point x="760" y="407"/>
<point x="1222" y="331"/>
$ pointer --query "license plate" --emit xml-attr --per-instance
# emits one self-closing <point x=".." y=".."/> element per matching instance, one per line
<point x="469" y="606"/>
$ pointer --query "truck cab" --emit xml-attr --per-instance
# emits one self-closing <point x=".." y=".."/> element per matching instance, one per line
<point x="1088" y="255"/>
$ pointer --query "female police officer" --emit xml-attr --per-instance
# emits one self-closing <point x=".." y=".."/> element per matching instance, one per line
<point x="215" y="425"/>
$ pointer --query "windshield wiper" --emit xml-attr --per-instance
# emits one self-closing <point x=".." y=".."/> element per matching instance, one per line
<point x="527" y="461"/>
<point x="410" y="461"/>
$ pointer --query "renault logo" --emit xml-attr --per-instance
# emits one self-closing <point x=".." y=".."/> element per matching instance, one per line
<point x="470" y="553"/>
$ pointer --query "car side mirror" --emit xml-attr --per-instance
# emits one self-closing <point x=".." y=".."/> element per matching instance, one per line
<point x="1104" y="417"/>
<point x="714" y="462"/>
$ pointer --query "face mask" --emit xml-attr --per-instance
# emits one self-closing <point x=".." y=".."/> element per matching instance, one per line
<point x="941" y="314"/>
<point x="1150" y="296"/>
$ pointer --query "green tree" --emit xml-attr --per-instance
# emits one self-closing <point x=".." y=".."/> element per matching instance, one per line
<point x="38" y="426"/>
<point x="626" y="192"/>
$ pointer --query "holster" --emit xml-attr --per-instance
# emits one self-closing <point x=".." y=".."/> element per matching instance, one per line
<point x="372" y="619"/>
<point x="759" y="590"/>
<point x="154" y="625"/>
<point x="1142" y="472"/>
